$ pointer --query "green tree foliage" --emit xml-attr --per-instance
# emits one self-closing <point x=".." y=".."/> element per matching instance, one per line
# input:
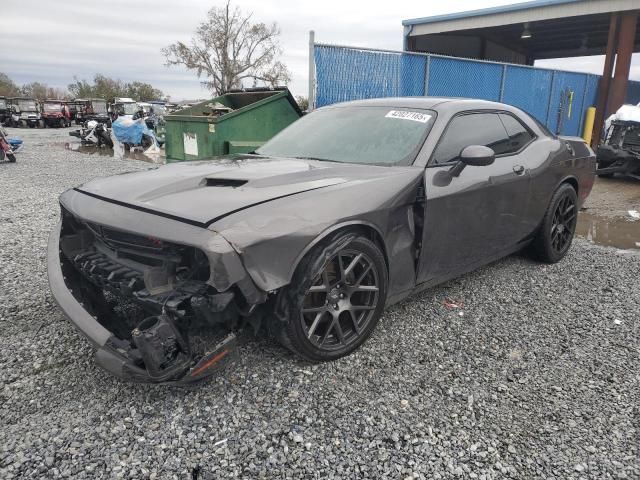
<point x="109" y="88"/>
<point x="41" y="91"/>
<point x="143" y="92"/>
<point x="7" y="86"/>
<point x="303" y="103"/>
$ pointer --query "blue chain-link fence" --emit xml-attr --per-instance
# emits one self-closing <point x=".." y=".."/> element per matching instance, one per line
<point x="556" y="98"/>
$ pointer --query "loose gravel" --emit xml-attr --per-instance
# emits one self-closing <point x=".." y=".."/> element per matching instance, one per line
<point x="518" y="370"/>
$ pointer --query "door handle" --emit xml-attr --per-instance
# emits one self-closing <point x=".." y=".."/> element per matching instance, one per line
<point x="518" y="169"/>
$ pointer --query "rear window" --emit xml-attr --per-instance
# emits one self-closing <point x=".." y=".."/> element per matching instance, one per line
<point x="519" y="135"/>
<point x="472" y="129"/>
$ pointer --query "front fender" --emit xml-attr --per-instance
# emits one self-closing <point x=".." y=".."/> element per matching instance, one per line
<point x="272" y="238"/>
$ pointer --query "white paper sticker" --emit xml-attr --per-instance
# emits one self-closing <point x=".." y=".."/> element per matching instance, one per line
<point x="406" y="115"/>
<point x="190" y="141"/>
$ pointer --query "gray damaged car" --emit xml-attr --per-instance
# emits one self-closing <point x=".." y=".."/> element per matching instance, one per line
<point x="308" y="239"/>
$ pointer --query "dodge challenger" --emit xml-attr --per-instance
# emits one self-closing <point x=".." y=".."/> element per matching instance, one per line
<point x="350" y="209"/>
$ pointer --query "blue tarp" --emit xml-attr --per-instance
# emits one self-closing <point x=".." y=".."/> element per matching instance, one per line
<point x="130" y="131"/>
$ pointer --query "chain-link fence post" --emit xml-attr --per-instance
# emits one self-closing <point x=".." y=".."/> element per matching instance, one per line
<point x="502" y="80"/>
<point x="312" y="72"/>
<point x="426" y="76"/>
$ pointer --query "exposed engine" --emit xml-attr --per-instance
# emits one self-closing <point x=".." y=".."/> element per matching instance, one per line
<point x="153" y="295"/>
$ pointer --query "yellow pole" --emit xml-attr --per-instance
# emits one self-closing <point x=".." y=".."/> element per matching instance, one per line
<point x="588" y="124"/>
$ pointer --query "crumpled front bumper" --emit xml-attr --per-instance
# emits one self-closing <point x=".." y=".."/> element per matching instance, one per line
<point x="108" y="354"/>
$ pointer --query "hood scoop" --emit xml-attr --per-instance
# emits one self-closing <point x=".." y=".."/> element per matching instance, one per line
<point x="224" y="182"/>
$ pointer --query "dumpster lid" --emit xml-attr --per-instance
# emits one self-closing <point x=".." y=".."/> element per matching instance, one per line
<point x="290" y="98"/>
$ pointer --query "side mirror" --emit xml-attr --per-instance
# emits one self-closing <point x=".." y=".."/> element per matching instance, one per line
<point x="477" y="155"/>
<point x="474" y="155"/>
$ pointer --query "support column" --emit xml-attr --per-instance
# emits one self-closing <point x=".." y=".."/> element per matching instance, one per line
<point x="626" y="41"/>
<point x="605" y="81"/>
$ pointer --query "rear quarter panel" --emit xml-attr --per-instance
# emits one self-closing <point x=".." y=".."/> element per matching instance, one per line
<point x="554" y="161"/>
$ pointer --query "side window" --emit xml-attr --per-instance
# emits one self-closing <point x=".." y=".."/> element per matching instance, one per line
<point x="472" y="129"/>
<point x="519" y="135"/>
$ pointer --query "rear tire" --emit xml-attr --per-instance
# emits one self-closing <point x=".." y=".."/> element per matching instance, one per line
<point x="554" y="238"/>
<point x="335" y="298"/>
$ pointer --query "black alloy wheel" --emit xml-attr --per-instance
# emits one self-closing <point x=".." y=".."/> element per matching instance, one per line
<point x="564" y="224"/>
<point x="336" y="299"/>
<point x="555" y="236"/>
<point x="340" y="303"/>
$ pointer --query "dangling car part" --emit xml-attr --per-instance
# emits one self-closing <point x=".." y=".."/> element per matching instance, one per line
<point x="350" y="209"/>
<point x="24" y="113"/>
<point x="620" y="150"/>
<point x="7" y="147"/>
<point x="53" y="114"/>
<point x="94" y="133"/>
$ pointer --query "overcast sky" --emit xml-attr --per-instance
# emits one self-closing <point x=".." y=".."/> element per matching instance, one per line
<point x="51" y="41"/>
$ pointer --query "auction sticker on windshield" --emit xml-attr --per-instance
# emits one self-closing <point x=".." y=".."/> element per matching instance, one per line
<point x="406" y="115"/>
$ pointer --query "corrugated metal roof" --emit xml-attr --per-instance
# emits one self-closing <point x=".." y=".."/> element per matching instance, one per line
<point x="488" y="11"/>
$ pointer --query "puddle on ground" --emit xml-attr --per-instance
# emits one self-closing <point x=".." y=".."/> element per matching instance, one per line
<point x="619" y="232"/>
<point x="108" y="152"/>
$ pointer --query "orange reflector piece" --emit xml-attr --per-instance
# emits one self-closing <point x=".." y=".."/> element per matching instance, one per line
<point x="209" y="363"/>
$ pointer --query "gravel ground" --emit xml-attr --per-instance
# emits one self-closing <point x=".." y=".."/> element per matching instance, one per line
<point x="533" y="375"/>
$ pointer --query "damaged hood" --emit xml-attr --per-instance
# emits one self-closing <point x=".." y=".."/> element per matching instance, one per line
<point x="203" y="192"/>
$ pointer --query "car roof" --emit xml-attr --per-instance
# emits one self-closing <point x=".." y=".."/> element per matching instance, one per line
<point x="432" y="103"/>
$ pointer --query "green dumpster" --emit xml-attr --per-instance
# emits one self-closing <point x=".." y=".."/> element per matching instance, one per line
<point x="237" y="122"/>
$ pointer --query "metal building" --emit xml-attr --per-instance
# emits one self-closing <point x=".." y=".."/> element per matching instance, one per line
<point x="524" y="32"/>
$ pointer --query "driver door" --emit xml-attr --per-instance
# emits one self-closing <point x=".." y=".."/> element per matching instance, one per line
<point x="476" y="217"/>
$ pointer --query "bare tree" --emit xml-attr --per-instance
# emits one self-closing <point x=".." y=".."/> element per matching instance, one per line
<point x="228" y="48"/>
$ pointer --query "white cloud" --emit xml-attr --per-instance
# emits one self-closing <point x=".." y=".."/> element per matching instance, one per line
<point x="53" y="41"/>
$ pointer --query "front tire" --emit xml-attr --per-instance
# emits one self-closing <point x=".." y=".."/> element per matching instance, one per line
<point x="335" y="299"/>
<point x="553" y="240"/>
<point x="11" y="157"/>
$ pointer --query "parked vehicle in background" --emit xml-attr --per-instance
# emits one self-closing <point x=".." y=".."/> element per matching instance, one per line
<point x="53" y="114"/>
<point x="123" y="106"/>
<point x="6" y="152"/>
<point x="24" y="113"/>
<point x="4" y="110"/>
<point x="73" y="107"/>
<point x="620" y="150"/>
<point x="348" y="210"/>
<point x="92" y="109"/>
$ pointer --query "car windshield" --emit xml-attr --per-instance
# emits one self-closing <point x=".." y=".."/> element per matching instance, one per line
<point x="159" y="109"/>
<point x="99" y="107"/>
<point x="52" y="107"/>
<point x="27" y="105"/>
<point x="371" y="135"/>
<point x="128" y="108"/>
